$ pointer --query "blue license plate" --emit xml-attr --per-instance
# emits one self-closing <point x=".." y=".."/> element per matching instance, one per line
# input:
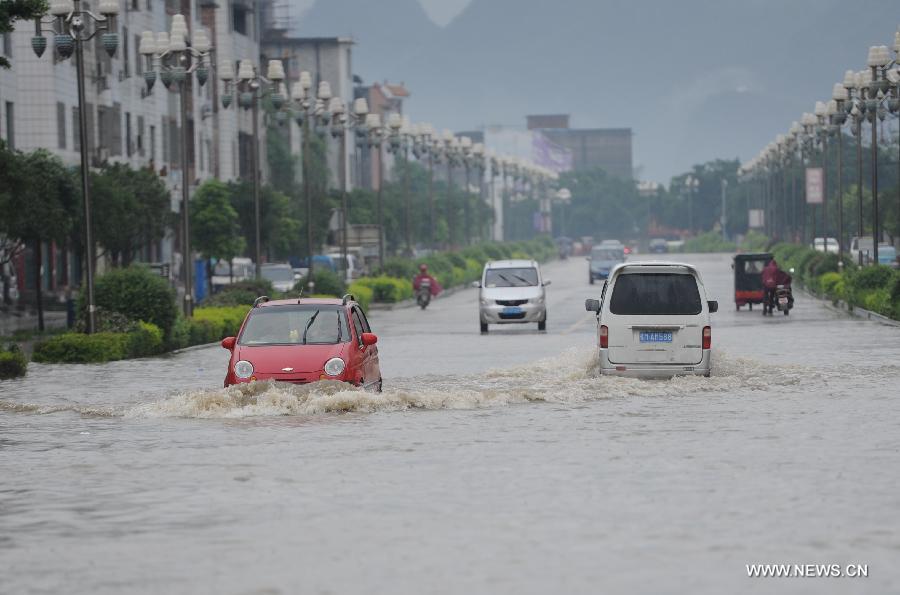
<point x="656" y="337"/>
<point x="511" y="310"/>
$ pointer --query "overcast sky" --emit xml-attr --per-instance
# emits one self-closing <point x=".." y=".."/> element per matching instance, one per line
<point x="440" y="11"/>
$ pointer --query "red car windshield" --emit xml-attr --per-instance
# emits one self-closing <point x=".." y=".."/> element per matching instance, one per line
<point x="296" y="325"/>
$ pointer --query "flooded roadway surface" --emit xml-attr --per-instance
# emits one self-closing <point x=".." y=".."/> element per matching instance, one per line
<point x="491" y="464"/>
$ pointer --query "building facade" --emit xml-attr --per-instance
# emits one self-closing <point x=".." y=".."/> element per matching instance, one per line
<point x="605" y="148"/>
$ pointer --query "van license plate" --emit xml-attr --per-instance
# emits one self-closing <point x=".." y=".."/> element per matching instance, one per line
<point x="512" y="310"/>
<point x="656" y="337"/>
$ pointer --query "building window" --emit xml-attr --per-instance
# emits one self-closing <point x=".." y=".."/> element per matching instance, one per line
<point x="10" y="125"/>
<point x="140" y="135"/>
<point x="7" y="45"/>
<point x="126" y="54"/>
<point x="240" y="18"/>
<point x="138" y="63"/>
<point x="152" y="143"/>
<point x="76" y="132"/>
<point x="61" y="124"/>
<point x="129" y="149"/>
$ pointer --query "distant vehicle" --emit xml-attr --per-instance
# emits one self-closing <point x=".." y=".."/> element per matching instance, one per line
<point x="659" y="246"/>
<point x="887" y="255"/>
<point x="303" y="341"/>
<point x="354" y="271"/>
<point x="280" y="274"/>
<point x="828" y="245"/>
<point x="748" y="287"/>
<point x="602" y="260"/>
<point x="241" y="269"/>
<point x="862" y="249"/>
<point x="674" y="245"/>
<point x="653" y="321"/>
<point x="320" y="261"/>
<point x="512" y="292"/>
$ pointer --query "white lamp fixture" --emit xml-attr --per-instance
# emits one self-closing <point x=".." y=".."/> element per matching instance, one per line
<point x="305" y="80"/>
<point x="245" y="70"/>
<point x="324" y="91"/>
<point x="360" y="107"/>
<point x="275" y="72"/>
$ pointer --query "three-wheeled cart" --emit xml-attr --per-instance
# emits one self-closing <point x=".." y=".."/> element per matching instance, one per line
<point x="748" y="287"/>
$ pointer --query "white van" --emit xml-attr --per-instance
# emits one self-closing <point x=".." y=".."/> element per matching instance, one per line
<point x="653" y="321"/>
<point x="512" y="292"/>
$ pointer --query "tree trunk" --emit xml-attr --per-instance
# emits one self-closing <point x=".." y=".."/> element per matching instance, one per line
<point x="38" y="277"/>
<point x="230" y="270"/>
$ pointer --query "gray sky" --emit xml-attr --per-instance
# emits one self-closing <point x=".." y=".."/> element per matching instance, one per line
<point x="440" y="11"/>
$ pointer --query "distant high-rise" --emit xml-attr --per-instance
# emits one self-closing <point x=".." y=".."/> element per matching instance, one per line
<point x="606" y="148"/>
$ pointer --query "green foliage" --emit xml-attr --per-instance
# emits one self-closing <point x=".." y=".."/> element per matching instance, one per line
<point x="242" y="292"/>
<point x="12" y="362"/>
<point x="131" y="208"/>
<point x="871" y="277"/>
<point x="75" y="348"/>
<point x="403" y="268"/>
<point x="710" y="241"/>
<point x="755" y="241"/>
<point x="209" y="324"/>
<point x="387" y="289"/>
<point x="137" y="293"/>
<point x="833" y="286"/>
<point x="145" y="340"/>
<point x="215" y="230"/>
<point x="326" y="283"/>
<point x="362" y="293"/>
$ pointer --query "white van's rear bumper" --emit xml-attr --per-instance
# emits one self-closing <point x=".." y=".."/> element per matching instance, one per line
<point x="654" y="370"/>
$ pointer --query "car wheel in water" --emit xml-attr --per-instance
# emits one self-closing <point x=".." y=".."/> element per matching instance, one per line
<point x="786" y="312"/>
<point x="542" y="325"/>
<point x="484" y="328"/>
<point x="380" y="386"/>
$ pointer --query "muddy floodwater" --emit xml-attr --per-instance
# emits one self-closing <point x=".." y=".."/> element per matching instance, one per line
<point x="490" y="464"/>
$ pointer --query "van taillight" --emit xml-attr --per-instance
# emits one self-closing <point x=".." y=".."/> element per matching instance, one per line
<point x="707" y="337"/>
<point x="604" y="336"/>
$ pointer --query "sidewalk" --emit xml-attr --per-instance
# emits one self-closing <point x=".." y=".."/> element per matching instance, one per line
<point x="13" y="321"/>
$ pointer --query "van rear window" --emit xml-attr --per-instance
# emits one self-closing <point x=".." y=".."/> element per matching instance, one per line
<point x="655" y="294"/>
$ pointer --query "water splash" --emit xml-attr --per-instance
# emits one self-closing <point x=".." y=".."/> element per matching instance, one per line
<point x="569" y="378"/>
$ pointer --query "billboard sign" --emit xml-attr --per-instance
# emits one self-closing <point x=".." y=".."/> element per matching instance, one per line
<point x="756" y="218"/>
<point x="815" y="186"/>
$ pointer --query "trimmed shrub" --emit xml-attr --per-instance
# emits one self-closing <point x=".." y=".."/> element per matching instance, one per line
<point x="387" y="289"/>
<point x="878" y="300"/>
<point x="362" y="293"/>
<point x="76" y="348"/>
<point x="236" y="294"/>
<point x="138" y="294"/>
<point x="12" y="363"/>
<point x="214" y="324"/>
<point x="710" y="241"/>
<point x="871" y="277"/>
<point x="832" y="285"/>
<point x="145" y="340"/>
<point x="402" y="268"/>
<point x="327" y="283"/>
<point x="180" y="337"/>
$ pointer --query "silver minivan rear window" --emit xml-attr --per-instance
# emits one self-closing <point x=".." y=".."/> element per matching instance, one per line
<point x="651" y="294"/>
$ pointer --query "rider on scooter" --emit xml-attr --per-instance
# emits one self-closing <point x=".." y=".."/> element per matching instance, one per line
<point x="422" y="276"/>
<point x="772" y="277"/>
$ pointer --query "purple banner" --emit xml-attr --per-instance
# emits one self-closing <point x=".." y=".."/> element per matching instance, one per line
<point x="550" y="155"/>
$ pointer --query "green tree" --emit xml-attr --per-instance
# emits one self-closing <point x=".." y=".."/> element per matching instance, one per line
<point x="11" y="182"/>
<point x="13" y="10"/>
<point x="131" y="208"/>
<point x="215" y="231"/>
<point x="40" y="206"/>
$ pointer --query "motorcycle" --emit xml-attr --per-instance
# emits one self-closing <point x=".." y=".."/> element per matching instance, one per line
<point x="423" y="294"/>
<point x="784" y="299"/>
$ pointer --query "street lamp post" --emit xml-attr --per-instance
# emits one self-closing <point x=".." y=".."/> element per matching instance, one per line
<point x="69" y="24"/>
<point x="175" y="60"/>
<point x="451" y="151"/>
<point x="310" y="112"/>
<point x="424" y="144"/>
<point x="342" y="122"/>
<point x="375" y="134"/>
<point x="250" y="87"/>
<point x="692" y="184"/>
<point x="879" y="61"/>
<point x="838" y="116"/>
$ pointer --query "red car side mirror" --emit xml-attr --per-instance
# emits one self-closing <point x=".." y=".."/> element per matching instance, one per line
<point x="228" y="343"/>
<point x="369" y="339"/>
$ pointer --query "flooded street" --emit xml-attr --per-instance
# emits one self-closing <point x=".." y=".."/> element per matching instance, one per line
<point x="490" y="464"/>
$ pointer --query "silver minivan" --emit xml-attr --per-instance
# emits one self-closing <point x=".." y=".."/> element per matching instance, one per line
<point x="512" y="292"/>
<point x="653" y="321"/>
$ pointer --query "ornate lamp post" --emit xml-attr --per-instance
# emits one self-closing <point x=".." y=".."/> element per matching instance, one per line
<point x="879" y="61"/>
<point x="72" y="26"/>
<point x="249" y="88"/>
<point x="822" y="131"/>
<point x="375" y="134"/>
<point x="400" y="138"/>
<point x="423" y="145"/>
<point x="452" y="153"/>
<point x="175" y="61"/>
<point x="310" y="111"/>
<point x="343" y="122"/>
<point x="691" y="184"/>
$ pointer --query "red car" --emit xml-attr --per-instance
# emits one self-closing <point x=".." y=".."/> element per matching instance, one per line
<point x="305" y="340"/>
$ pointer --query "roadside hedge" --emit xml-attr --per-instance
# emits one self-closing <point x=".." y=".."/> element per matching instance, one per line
<point x="386" y="289"/>
<point x="875" y="288"/>
<point x="12" y="362"/>
<point x="138" y="294"/>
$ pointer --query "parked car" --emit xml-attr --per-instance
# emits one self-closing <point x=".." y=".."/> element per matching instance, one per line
<point x="354" y="270"/>
<point x="887" y="255"/>
<point x="653" y="321"/>
<point x="240" y="269"/>
<point x="512" y="292"/>
<point x="861" y="249"/>
<point x="280" y="274"/>
<point x="603" y="259"/>
<point x="303" y="341"/>
<point x="828" y="245"/>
